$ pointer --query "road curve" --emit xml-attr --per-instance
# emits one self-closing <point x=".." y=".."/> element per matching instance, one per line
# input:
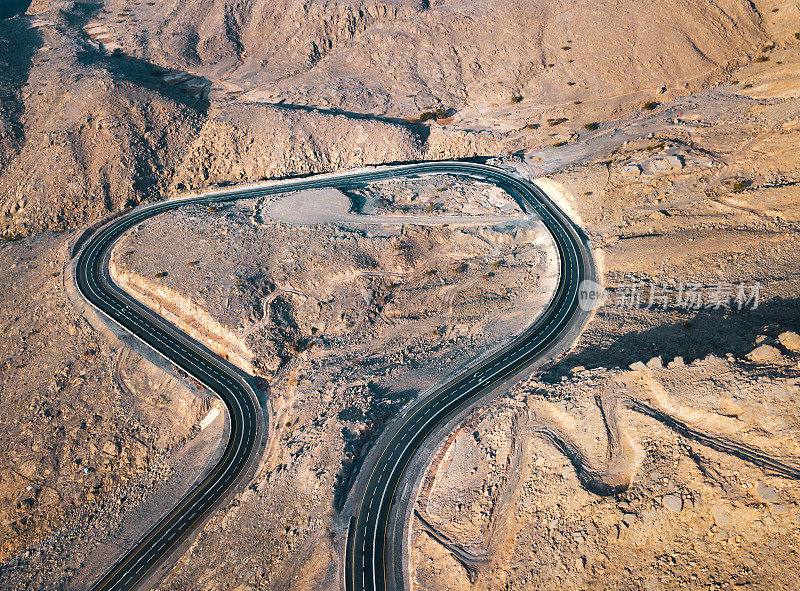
<point x="366" y="548"/>
<point x="377" y="542"/>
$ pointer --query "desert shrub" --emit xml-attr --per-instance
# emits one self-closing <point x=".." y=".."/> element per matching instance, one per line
<point x="740" y="185"/>
<point x="650" y="105"/>
<point x="437" y="114"/>
<point x="591" y="126"/>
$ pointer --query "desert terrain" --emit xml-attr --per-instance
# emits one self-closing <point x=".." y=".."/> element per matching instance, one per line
<point x="661" y="452"/>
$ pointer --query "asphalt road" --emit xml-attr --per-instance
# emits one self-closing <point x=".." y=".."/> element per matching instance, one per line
<point x="372" y="544"/>
<point x="366" y="548"/>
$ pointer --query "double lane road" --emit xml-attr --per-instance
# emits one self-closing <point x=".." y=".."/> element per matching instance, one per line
<point x="377" y="533"/>
<point x="366" y="551"/>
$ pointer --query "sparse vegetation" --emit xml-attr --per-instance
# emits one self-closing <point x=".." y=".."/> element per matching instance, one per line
<point x="436" y="114"/>
<point x="740" y="185"/>
<point x="650" y="105"/>
<point x="735" y="184"/>
<point x="140" y="133"/>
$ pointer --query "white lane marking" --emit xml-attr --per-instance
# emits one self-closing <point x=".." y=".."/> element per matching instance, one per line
<point x="230" y="195"/>
<point x="441" y="413"/>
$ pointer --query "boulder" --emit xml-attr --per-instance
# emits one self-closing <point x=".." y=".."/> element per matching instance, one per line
<point x="673" y="502"/>
<point x="722" y="517"/>
<point x="766" y="493"/>
<point x="790" y="340"/>
<point x="111" y="448"/>
<point x="764" y="354"/>
<point x="655" y="363"/>
<point x="638" y="366"/>
<point x="728" y="407"/>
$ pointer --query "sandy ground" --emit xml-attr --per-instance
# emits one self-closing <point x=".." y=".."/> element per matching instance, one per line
<point x="699" y="189"/>
<point x="347" y="319"/>
<point x="662" y="452"/>
<point x="97" y="442"/>
<point x="319" y="206"/>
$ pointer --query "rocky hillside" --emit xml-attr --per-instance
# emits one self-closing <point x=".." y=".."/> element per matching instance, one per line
<point x="400" y="57"/>
<point x="103" y="106"/>
<point x="83" y="133"/>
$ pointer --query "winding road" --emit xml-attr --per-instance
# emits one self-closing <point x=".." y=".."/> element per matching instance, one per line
<point x="377" y="526"/>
